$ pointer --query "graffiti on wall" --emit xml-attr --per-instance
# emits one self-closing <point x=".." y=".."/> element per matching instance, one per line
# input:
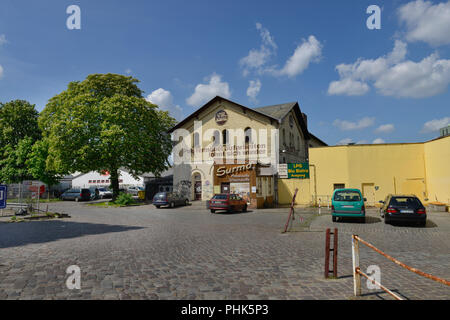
<point x="183" y="187"/>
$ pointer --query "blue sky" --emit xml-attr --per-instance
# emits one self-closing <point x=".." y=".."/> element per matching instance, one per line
<point x="349" y="80"/>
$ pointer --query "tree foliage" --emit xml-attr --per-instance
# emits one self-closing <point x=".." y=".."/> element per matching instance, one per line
<point x="103" y="124"/>
<point x="18" y="120"/>
<point x="19" y="130"/>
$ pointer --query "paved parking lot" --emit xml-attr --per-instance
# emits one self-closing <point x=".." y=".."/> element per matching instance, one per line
<point x="187" y="253"/>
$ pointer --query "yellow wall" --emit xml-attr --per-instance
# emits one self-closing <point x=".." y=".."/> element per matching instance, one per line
<point x="286" y="190"/>
<point x="437" y="166"/>
<point x="411" y="168"/>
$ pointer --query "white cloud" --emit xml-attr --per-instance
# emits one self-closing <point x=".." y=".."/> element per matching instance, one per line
<point x="409" y="79"/>
<point x="205" y="92"/>
<point x="360" y="124"/>
<point x="164" y="100"/>
<point x="394" y="76"/>
<point x="253" y="89"/>
<point x="257" y="58"/>
<point x="435" y="125"/>
<point x="309" y="51"/>
<point x="426" y="22"/>
<point x="385" y="128"/>
<point x="348" y="87"/>
<point x="378" y="141"/>
<point x="345" y="141"/>
<point x="3" y="39"/>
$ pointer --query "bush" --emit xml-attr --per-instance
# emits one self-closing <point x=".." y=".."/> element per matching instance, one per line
<point x="124" y="199"/>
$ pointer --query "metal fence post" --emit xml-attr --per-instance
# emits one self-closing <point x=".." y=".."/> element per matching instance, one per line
<point x="327" y="253"/>
<point x="355" y="258"/>
<point x="335" y="252"/>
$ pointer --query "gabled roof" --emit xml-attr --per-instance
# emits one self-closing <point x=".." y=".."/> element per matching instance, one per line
<point x="279" y="111"/>
<point x="273" y="112"/>
<point x="206" y="105"/>
<point x="316" y="138"/>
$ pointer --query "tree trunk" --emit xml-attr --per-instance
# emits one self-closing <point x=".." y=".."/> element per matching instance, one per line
<point x="115" y="183"/>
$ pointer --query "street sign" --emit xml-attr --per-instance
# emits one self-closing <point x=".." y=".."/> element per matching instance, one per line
<point x="283" y="170"/>
<point x="3" y="196"/>
<point x="298" y="170"/>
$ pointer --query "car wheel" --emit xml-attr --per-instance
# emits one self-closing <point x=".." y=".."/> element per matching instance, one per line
<point x="76" y="199"/>
<point x="363" y="220"/>
<point x="244" y="209"/>
<point x="157" y="207"/>
<point x="186" y="202"/>
<point x="172" y="205"/>
<point x="334" y="219"/>
<point x="386" y="221"/>
<point x="213" y="211"/>
<point x="423" y="224"/>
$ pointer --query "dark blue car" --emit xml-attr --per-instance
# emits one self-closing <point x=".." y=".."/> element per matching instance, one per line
<point x="170" y="199"/>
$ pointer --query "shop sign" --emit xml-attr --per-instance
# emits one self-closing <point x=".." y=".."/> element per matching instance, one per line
<point x="222" y="171"/>
<point x="221" y="117"/>
<point x="298" y="170"/>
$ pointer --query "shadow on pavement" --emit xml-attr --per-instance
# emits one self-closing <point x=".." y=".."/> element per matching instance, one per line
<point x="369" y="220"/>
<point x="383" y="295"/>
<point x="430" y="224"/>
<point x="20" y="234"/>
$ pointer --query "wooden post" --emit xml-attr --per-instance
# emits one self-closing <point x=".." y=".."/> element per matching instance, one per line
<point x="356" y="275"/>
<point x="335" y="252"/>
<point x="327" y="253"/>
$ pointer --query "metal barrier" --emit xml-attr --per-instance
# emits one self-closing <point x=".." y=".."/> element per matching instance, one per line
<point x="357" y="271"/>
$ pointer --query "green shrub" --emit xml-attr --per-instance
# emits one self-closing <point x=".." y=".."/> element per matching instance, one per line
<point x="124" y="199"/>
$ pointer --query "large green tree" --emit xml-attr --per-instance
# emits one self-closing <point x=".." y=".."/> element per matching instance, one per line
<point x="18" y="120"/>
<point x="19" y="130"/>
<point x="103" y="124"/>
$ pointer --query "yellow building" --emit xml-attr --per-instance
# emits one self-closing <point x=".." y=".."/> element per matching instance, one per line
<point x="377" y="170"/>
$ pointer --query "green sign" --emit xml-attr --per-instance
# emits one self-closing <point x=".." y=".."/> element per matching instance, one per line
<point x="298" y="170"/>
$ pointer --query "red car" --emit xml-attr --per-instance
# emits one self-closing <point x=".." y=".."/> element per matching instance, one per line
<point x="227" y="201"/>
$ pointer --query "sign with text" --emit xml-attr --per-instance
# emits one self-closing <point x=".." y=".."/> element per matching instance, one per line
<point x="283" y="170"/>
<point x="298" y="170"/>
<point x="3" y="196"/>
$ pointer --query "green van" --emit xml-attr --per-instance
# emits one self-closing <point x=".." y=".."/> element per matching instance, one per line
<point x="348" y="203"/>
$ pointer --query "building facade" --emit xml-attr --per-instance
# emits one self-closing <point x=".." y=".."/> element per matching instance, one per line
<point x="377" y="170"/>
<point x="226" y="147"/>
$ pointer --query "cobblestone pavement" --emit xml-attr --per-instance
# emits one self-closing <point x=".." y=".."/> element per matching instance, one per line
<point x="188" y="253"/>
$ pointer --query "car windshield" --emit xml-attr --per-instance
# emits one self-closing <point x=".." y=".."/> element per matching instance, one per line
<point x="347" y="195"/>
<point x="160" y="195"/>
<point x="409" y="202"/>
<point x="220" y="196"/>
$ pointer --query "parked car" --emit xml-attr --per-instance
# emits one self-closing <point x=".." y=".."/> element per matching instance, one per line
<point x="134" y="190"/>
<point x="94" y="193"/>
<point x="403" y="208"/>
<point x="227" y="201"/>
<point x="76" y="194"/>
<point x="104" y="193"/>
<point x="170" y="199"/>
<point x="348" y="203"/>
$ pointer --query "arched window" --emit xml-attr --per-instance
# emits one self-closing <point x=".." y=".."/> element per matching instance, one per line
<point x="225" y="136"/>
<point x="196" y="139"/>
<point x="216" y="138"/>
<point x="248" y="135"/>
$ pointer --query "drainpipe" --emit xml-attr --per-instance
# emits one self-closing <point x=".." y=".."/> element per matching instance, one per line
<point x="315" y="183"/>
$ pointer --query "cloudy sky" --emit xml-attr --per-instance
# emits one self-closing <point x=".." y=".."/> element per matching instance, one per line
<point x="356" y="84"/>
